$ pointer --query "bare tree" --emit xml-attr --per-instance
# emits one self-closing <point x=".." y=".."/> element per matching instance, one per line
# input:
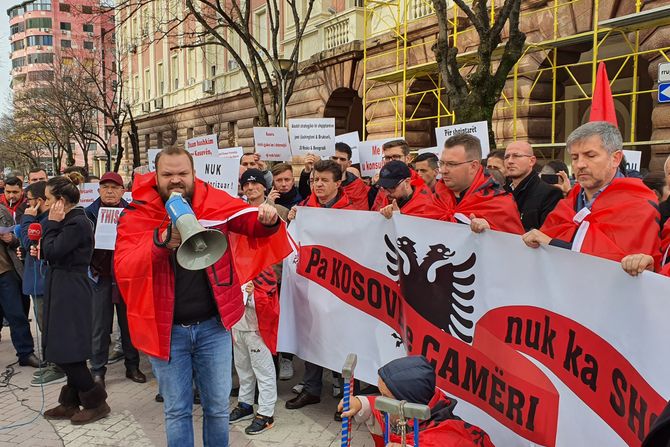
<point x="475" y="96"/>
<point x="220" y="22"/>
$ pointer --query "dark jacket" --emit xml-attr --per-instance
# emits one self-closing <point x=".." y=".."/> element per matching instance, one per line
<point x="6" y="220"/>
<point x="535" y="199"/>
<point x="68" y="246"/>
<point x="103" y="260"/>
<point x="34" y="271"/>
<point x="289" y="199"/>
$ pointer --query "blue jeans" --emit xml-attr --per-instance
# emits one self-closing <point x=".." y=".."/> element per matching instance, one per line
<point x="12" y="305"/>
<point x="202" y="352"/>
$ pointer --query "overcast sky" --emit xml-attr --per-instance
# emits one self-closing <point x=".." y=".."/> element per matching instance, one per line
<point x="5" y="62"/>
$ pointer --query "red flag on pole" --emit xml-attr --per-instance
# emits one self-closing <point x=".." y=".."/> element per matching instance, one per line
<point x="602" y="105"/>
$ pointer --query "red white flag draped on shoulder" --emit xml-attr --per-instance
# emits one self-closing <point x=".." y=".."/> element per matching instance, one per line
<point x="602" y="104"/>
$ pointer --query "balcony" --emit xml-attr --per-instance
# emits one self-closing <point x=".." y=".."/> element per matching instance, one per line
<point x="342" y="28"/>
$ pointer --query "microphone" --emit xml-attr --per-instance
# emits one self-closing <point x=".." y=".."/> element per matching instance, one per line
<point x="17" y="235"/>
<point x="35" y="234"/>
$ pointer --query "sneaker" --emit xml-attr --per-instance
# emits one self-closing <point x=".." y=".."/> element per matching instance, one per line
<point x="241" y="413"/>
<point x="260" y="424"/>
<point x="115" y="356"/>
<point x="49" y="376"/>
<point x="297" y="389"/>
<point x="285" y="369"/>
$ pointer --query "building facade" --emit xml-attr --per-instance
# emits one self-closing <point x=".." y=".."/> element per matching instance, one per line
<point x="371" y="66"/>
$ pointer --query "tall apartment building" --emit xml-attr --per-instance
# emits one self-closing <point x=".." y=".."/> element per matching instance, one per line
<point x="46" y="34"/>
<point x="371" y="66"/>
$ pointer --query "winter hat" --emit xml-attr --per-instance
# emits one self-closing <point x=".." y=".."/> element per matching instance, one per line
<point x="410" y="378"/>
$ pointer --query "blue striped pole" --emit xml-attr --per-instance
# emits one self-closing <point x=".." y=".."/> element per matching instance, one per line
<point x="416" y="432"/>
<point x="348" y="382"/>
<point x="387" y="428"/>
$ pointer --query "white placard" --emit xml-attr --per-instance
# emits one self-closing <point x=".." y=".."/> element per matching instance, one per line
<point x="204" y="146"/>
<point x="371" y="156"/>
<point x="312" y="136"/>
<point x="633" y="160"/>
<point x="271" y="143"/>
<point x="151" y="156"/>
<point x="88" y="193"/>
<point x="352" y="140"/>
<point x="437" y="150"/>
<point x="479" y="129"/>
<point x="664" y="72"/>
<point x="105" y="228"/>
<point x="221" y="173"/>
<point x="231" y="152"/>
<point x="128" y="196"/>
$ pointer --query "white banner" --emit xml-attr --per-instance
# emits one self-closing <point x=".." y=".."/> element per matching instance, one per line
<point x="231" y="152"/>
<point x="312" y="136"/>
<point x="479" y="129"/>
<point x="105" y="228"/>
<point x="633" y="160"/>
<point x="371" y="156"/>
<point x="221" y="173"/>
<point x="353" y="141"/>
<point x="88" y="193"/>
<point x="271" y="143"/>
<point x="555" y="348"/>
<point x="204" y="146"/>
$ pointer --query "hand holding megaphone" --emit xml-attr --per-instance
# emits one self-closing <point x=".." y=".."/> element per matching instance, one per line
<point x="175" y="238"/>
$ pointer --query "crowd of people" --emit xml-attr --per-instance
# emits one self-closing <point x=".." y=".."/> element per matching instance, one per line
<point x="196" y="324"/>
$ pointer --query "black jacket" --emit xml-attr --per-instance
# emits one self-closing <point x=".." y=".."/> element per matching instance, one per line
<point x="68" y="246"/>
<point x="535" y="199"/>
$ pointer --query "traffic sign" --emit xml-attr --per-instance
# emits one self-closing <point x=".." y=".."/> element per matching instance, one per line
<point x="664" y="72"/>
<point x="664" y="92"/>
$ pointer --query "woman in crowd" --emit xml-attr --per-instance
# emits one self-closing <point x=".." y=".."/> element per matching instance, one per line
<point x="67" y="246"/>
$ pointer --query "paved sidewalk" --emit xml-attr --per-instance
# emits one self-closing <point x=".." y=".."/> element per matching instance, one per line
<point x="137" y="420"/>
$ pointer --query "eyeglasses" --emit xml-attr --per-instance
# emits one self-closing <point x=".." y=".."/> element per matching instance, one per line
<point x="452" y="164"/>
<point x="393" y="157"/>
<point x="516" y="156"/>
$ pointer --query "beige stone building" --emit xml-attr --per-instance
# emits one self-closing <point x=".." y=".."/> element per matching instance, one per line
<point x="370" y="65"/>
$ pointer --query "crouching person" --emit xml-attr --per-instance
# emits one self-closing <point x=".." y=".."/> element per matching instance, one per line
<point x="254" y="343"/>
<point x="412" y="379"/>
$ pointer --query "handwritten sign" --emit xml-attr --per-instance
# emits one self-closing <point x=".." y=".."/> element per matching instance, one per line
<point x="231" y="152"/>
<point x="105" y="228"/>
<point x="205" y="146"/>
<point x="88" y="193"/>
<point x="221" y="173"/>
<point x="312" y="136"/>
<point x="272" y="143"/>
<point x="633" y="160"/>
<point x="151" y="156"/>
<point x="371" y="156"/>
<point x="352" y="140"/>
<point x="479" y="129"/>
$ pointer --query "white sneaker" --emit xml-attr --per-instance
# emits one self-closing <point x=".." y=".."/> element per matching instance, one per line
<point x="285" y="369"/>
<point x="297" y="389"/>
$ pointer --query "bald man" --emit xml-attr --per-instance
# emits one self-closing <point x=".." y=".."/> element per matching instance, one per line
<point x="534" y="198"/>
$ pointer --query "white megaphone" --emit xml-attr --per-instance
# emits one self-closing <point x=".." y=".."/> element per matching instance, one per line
<point x="200" y="247"/>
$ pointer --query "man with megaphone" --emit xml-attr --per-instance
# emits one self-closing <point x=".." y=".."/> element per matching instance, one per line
<point x="181" y="283"/>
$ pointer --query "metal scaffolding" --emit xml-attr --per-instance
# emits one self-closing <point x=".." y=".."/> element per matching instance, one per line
<point x="386" y="83"/>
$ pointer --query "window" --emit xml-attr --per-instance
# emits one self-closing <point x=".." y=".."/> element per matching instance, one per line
<point x="136" y="87"/>
<point x="39" y="5"/>
<point x="32" y="41"/>
<point x="191" y="64"/>
<point x="147" y="84"/>
<point x="87" y="10"/>
<point x="160" y="79"/>
<point x="17" y="28"/>
<point x="66" y="43"/>
<point x="66" y="26"/>
<point x="42" y="75"/>
<point x="18" y="45"/>
<point x="88" y="45"/>
<point x="261" y="27"/>
<point x="18" y="62"/>
<point x="88" y="27"/>
<point x="40" y="58"/>
<point x="62" y="7"/>
<point x="175" y="72"/>
<point x="42" y="22"/>
<point x="17" y="11"/>
<point x="67" y="61"/>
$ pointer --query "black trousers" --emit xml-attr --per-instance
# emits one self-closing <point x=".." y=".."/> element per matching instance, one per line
<point x="78" y="376"/>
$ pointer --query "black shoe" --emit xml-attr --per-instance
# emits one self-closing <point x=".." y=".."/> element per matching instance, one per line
<point x="303" y="399"/>
<point x="32" y="360"/>
<point x="136" y="375"/>
<point x="338" y="416"/>
<point x="100" y="379"/>
<point x="158" y="398"/>
<point x="241" y="413"/>
<point x="260" y="424"/>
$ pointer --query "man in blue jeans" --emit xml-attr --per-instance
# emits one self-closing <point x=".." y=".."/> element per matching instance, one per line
<point x="182" y="317"/>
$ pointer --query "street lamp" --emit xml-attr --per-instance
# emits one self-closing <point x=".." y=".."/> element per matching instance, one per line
<point x="282" y="67"/>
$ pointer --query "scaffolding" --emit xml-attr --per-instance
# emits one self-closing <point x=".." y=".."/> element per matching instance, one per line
<point x="392" y="84"/>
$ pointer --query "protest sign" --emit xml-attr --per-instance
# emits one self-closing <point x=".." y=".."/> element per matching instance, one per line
<point x="371" y="156"/>
<point x="562" y="367"/>
<point x="352" y="140"/>
<point x="105" y="228"/>
<point x="128" y="196"/>
<point x="88" y="193"/>
<point x="633" y="160"/>
<point x="479" y="129"/>
<point x="151" y="156"/>
<point x="221" y="173"/>
<point x="204" y="146"/>
<point x="231" y="152"/>
<point x="312" y="136"/>
<point x="271" y="143"/>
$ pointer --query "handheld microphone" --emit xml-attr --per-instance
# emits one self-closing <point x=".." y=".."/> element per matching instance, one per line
<point x="35" y="234"/>
<point x="17" y="235"/>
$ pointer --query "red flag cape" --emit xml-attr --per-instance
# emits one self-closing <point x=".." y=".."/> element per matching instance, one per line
<point x="343" y="203"/>
<point x="665" y="250"/>
<point x="485" y="199"/>
<point x="602" y="104"/>
<point x="266" y="302"/>
<point x="623" y="221"/>
<point x="134" y="244"/>
<point x="381" y="200"/>
<point x="358" y="194"/>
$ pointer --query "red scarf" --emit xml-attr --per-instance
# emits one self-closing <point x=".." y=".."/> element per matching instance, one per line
<point x="485" y="199"/>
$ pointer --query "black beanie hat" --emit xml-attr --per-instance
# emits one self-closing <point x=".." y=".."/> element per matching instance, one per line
<point x="410" y="378"/>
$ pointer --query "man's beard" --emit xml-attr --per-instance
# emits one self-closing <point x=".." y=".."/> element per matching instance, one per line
<point x="166" y="192"/>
